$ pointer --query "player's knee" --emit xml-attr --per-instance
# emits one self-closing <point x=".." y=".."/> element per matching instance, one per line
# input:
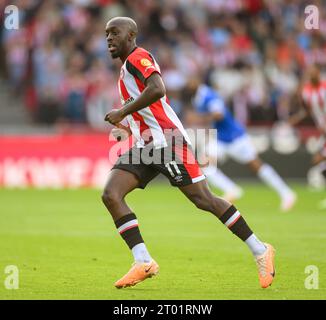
<point x="110" y="197"/>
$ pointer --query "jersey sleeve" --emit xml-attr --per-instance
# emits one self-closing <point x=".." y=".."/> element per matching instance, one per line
<point x="142" y="66"/>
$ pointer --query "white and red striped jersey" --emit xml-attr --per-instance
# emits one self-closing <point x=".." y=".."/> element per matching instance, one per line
<point x="149" y="122"/>
<point x="315" y="100"/>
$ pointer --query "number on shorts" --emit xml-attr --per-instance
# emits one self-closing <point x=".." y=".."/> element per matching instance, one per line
<point x="175" y="166"/>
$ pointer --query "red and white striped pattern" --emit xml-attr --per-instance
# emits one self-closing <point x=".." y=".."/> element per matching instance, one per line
<point x="128" y="225"/>
<point x="233" y="219"/>
<point x="315" y="99"/>
<point x="186" y="156"/>
<point x="155" y="118"/>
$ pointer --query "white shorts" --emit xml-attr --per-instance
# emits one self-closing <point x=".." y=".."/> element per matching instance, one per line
<point x="240" y="150"/>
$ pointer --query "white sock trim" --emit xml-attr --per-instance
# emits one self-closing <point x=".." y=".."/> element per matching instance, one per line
<point x="130" y="224"/>
<point x="233" y="219"/>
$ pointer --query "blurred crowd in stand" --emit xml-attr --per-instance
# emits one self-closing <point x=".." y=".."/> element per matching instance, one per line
<point x="253" y="51"/>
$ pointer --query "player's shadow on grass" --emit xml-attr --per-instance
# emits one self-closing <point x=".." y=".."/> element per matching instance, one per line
<point x="138" y="289"/>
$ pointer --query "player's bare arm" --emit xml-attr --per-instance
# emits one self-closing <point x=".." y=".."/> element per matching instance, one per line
<point x="206" y="119"/>
<point x="213" y="116"/>
<point x="297" y="117"/>
<point x="153" y="91"/>
<point x="303" y="113"/>
<point x="300" y="115"/>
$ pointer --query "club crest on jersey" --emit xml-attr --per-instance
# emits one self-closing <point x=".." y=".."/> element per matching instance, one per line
<point x="122" y="73"/>
<point x="145" y="62"/>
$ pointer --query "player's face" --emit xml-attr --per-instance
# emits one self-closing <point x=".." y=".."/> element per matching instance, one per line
<point x="117" y="39"/>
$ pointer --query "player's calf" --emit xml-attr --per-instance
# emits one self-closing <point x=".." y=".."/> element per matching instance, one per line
<point x="200" y="195"/>
<point x="229" y="215"/>
<point x="206" y="203"/>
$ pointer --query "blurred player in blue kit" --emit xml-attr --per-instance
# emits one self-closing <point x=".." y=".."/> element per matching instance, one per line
<point x="232" y="141"/>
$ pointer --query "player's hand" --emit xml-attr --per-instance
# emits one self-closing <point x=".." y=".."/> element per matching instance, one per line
<point x="114" y="116"/>
<point x="120" y="134"/>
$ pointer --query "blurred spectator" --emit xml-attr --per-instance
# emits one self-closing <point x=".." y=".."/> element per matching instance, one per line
<point x="74" y="89"/>
<point x="102" y="96"/>
<point x="253" y="51"/>
<point x="16" y="59"/>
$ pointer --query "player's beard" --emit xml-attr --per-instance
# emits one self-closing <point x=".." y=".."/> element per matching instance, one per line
<point x="117" y="51"/>
<point x="115" y="54"/>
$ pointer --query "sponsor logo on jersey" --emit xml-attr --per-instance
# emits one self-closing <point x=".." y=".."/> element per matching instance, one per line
<point x="130" y="99"/>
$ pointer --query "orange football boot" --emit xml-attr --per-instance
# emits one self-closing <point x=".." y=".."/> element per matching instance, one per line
<point x="265" y="264"/>
<point x="138" y="272"/>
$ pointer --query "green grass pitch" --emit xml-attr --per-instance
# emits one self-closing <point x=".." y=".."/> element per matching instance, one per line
<point x="66" y="246"/>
